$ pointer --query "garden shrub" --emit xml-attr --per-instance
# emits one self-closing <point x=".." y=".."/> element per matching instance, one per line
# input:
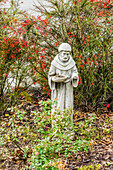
<point x="28" y="44"/>
<point x="87" y="26"/>
<point x="17" y="48"/>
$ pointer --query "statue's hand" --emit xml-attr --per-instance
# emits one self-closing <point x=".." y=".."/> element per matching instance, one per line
<point x="75" y="78"/>
<point x="68" y="79"/>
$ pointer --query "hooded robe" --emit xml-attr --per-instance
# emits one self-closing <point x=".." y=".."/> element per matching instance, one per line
<point x="62" y="92"/>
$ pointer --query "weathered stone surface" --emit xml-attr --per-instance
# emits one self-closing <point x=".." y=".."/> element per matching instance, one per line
<point x="62" y="77"/>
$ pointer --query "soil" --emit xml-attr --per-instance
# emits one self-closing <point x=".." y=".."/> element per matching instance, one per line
<point x="101" y="153"/>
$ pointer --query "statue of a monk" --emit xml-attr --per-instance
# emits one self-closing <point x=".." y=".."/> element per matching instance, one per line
<point x="63" y="76"/>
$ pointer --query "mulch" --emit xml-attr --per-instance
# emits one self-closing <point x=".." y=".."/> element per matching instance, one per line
<point x="101" y="152"/>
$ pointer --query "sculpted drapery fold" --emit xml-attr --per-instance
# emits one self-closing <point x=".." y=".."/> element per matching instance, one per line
<point x="62" y="77"/>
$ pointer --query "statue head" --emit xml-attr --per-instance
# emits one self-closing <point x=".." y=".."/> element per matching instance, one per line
<point x="64" y="50"/>
<point x="64" y="47"/>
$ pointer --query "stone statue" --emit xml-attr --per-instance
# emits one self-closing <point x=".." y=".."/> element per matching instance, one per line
<point x="63" y="76"/>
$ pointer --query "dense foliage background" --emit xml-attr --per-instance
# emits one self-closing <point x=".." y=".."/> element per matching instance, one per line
<point x="28" y="44"/>
<point x="87" y="26"/>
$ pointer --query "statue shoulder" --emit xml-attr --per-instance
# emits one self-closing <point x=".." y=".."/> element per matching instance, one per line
<point x="72" y="63"/>
<point x="54" y="62"/>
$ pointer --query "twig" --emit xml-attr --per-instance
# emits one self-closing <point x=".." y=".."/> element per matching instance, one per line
<point x="18" y="145"/>
<point x="80" y="119"/>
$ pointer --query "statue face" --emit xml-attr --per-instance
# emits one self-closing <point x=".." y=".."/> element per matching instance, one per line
<point x="64" y="56"/>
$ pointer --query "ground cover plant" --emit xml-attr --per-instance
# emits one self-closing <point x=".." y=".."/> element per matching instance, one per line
<point x="29" y="142"/>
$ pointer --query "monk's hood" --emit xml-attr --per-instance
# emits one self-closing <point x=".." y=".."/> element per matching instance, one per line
<point x="63" y="66"/>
